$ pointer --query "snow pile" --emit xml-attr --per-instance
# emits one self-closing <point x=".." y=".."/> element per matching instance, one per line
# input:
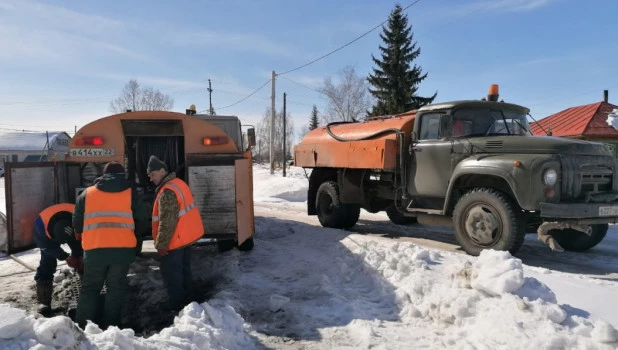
<point x="484" y="301"/>
<point x="196" y="327"/>
<point x="612" y="119"/>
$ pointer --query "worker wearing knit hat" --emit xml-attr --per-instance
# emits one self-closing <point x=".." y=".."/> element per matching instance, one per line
<point x="110" y="217"/>
<point x="176" y="225"/>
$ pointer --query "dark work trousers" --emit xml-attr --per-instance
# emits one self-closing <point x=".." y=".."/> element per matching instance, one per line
<point x="49" y="262"/>
<point x="46" y="269"/>
<point x="176" y="273"/>
<point x="95" y="275"/>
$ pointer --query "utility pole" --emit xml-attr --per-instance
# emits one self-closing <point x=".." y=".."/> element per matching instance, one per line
<point x="210" y="111"/>
<point x="284" y="118"/>
<point x="272" y="124"/>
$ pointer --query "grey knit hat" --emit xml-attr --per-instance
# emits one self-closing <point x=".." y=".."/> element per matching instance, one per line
<point x="155" y="163"/>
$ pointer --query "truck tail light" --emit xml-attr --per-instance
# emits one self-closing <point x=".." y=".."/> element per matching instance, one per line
<point x="216" y="140"/>
<point x="89" y="141"/>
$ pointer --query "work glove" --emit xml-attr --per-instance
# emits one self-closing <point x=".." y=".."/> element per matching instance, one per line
<point x="75" y="262"/>
<point x="162" y="252"/>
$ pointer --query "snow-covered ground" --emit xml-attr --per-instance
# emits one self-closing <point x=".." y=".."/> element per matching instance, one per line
<point x="306" y="287"/>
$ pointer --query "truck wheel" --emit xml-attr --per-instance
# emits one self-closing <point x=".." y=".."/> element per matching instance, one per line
<point x="246" y="246"/>
<point x="575" y="241"/>
<point x="485" y="219"/>
<point x="331" y="212"/>
<point x="397" y="218"/>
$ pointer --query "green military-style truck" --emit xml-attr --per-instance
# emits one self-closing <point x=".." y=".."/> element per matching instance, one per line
<point x="471" y="164"/>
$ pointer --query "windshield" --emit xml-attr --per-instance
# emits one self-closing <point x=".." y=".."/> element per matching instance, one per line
<point x="489" y="122"/>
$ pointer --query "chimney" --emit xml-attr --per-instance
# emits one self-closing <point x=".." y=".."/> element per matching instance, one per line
<point x="605" y="95"/>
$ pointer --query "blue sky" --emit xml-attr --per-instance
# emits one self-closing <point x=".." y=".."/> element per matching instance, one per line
<point x="63" y="61"/>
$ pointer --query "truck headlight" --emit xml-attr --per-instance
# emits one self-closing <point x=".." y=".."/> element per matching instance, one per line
<point x="550" y="177"/>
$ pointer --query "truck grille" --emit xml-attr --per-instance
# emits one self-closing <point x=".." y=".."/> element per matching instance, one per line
<point x="586" y="176"/>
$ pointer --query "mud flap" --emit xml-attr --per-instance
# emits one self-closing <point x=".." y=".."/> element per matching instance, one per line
<point x="244" y="200"/>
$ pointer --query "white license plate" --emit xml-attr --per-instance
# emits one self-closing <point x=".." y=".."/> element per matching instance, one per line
<point x="608" y="211"/>
<point x="91" y="152"/>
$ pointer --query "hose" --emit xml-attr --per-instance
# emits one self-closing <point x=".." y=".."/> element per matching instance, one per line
<point x="379" y="133"/>
<point x="21" y="262"/>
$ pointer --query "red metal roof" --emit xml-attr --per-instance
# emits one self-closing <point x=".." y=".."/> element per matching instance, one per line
<point x="582" y="120"/>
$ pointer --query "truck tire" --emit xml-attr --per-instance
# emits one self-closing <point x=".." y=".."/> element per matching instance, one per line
<point x="575" y="241"/>
<point x="486" y="219"/>
<point x="397" y="218"/>
<point x="331" y="212"/>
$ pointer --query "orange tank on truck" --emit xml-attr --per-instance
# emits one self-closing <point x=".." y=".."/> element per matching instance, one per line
<point x="470" y="164"/>
<point x="208" y="152"/>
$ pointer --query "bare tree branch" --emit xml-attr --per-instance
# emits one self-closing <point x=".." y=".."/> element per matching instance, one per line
<point x="349" y="99"/>
<point x="134" y="97"/>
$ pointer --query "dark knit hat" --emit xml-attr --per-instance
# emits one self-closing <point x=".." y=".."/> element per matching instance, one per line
<point x="113" y="168"/>
<point x="57" y="226"/>
<point x="155" y="163"/>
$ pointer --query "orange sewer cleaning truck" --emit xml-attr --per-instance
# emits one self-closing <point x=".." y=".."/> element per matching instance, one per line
<point x="208" y="152"/>
<point x="473" y="165"/>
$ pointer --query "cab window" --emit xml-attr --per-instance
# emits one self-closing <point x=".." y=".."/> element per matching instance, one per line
<point x="430" y="127"/>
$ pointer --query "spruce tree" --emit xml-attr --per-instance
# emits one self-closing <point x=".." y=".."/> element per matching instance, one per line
<point x="394" y="83"/>
<point x="314" y="122"/>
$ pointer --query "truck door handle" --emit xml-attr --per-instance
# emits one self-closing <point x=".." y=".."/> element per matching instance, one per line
<point x="417" y="149"/>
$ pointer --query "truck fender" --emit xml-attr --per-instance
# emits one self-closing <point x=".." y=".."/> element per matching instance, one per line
<point x="478" y="172"/>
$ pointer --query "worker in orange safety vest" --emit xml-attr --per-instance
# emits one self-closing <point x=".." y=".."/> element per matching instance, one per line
<point x="52" y="228"/>
<point x="108" y="215"/>
<point x="176" y="225"/>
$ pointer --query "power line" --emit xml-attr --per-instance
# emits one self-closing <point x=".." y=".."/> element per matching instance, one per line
<point x="347" y="44"/>
<point x="305" y="86"/>
<point x="241" y="100"/>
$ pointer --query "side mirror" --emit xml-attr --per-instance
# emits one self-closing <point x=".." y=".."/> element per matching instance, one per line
<point x="251" y="136"/>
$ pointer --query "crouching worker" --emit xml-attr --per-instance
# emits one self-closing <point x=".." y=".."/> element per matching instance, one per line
<point x="176" y="224"/>
<point x="107" y="215"/>
<point x="51" y="229"/>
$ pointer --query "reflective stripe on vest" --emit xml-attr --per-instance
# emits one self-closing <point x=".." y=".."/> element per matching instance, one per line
<point x="182" y="211"/>
<point x="189" y="227"/>
<point x="108" y="220"/>
<point x="52" y="210"/>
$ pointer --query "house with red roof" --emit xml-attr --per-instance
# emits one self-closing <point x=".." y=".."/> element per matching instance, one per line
<point x="587" y="122"/>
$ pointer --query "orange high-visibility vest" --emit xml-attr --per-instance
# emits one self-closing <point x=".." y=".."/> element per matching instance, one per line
<point x="189" y="226"/>
<point x="108" y="220"/>
<point x="50" y="211"/>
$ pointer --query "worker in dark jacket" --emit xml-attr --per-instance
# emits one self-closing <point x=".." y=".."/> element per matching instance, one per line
<point x="108" y="215"/>
<point x="51" y="229"/>
<point x="176" y="224"/>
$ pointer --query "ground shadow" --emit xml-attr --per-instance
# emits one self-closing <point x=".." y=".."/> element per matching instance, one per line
<point x="318" y="277"/>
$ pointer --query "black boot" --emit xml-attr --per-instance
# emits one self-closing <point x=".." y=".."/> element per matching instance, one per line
<point x="44" y="290"/>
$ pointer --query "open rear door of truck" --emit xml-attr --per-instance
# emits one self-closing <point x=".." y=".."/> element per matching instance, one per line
<point x="244" y="200"/>
<point x="30" y="188"/>
<point x="212" y="182"/>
